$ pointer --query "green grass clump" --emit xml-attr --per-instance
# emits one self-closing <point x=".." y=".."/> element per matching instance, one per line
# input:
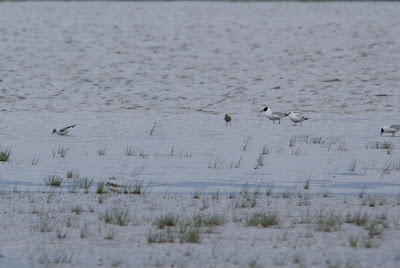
<point x="188" y="234"/>
<point x="263" y="219"/>
<point x="327" y="222"/>
<point x="53" y="180"/>
<point x="101" y="187"/>
<point x="118" y="216"/>
<point x="168" y="220"/>
<point x="5" y="155"/>
<point x="161" y="236"/>
<point x="71" y="174"/>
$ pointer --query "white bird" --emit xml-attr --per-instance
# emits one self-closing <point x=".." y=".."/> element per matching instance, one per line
<point x="273" y="115"/>
<point x="63" y="131"/>
<point x="296" y="118"/>
<point x="114" y="187"/>
<point x="390" y="129"/>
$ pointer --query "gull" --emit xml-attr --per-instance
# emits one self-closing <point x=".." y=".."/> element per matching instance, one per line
<point x="63" y="131"/>
<point x="296" y="118"/>
<point x="114" y="187"/>
<point x="273" y="115"/>
<point x="390" y="129"/>
<point x="228" y="119"/>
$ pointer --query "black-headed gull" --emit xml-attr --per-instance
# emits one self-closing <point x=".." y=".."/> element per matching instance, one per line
<point x="228" y="119"/>
<point x="63" y="130"/>
<point x="273" y="115"/>
<point x="390" y="129"/>
<point x="296" y="118"/>
<point x="114" y="187"/>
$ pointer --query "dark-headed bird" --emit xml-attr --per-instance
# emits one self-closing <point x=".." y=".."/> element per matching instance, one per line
<point x="63" y="130"/>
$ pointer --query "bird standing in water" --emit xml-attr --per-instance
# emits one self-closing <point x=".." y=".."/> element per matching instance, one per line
<point x="228" y="119"/>
<point x="63" y="131"/>
<point x="273" y="115"/>
<point x="297" y="118"/>
<point x="390" y="129"/>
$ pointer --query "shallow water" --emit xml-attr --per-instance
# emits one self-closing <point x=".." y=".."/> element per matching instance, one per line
<point x="115" y="68"/>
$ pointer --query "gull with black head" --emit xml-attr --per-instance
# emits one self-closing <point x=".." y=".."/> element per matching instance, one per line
<point x="273" y="115"/>
<point x="63" y="130"/>
<point x="390" y="129"/>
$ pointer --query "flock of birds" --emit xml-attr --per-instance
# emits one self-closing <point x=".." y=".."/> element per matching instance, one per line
<point x="296" y="118"/>
<point x="274" y="116"/>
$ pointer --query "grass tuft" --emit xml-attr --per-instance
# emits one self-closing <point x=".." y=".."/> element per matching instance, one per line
<point x="61" y="151"/>
<point x="71" y="174"/>
<point x="381" y="145"/>
<point x="101" y="187"/>
<point x="247" y="144"/>
<point x="116" y="215"/>
<point x="263" y="219"/>
<point x="5" y="155"/>
<point x="53" y="180"/>
<point x="154" y="129"/>
<point x="131" y="151"/>
<point x="190" y="234"/>
<point x="102" y="151"/>
<point x="160" y="236"/>
<point x="168" y="220"/>
<point x="260" y="161"/>
<point x="327" y="222"/>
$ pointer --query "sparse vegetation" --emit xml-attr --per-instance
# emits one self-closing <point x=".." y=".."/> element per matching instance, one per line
<point x="353" y="166"/>
<point x="136" y="187"/>
<point x="100" y="187"/>
<point x="190" y="234"/>
<point x="72" y="174"/>
<point x="116" y="215"/>
<point x="266" y="150"/>
<point x="53" y="180"/>
<point x="263" y="219"/>
<point x="297" y="151"/>
<point x="343" y="146"/>
<point x="353" y="241"/>
<point x="167" y="220"/>
<point x="5" y="155"/>
<point x="237" y="164"/>
<point x="34" y="161"/>
<point x="143" y="154"/>
<point x="307" y="184"/>
<point x="327" y="222"/>
<point x="247" y="143"/>
<point x="388" y="168"/>
<point x="46" y="222"/>
<point x="161" y="236"/>
<point x="61" y="151"/>
<point x="84" y="183"/>
<point x="102" y="151"/>
<point x="131" y="151"/>
<point x="154" y="129"/>
<point x="381" y="145"/>
<point x="260" y="161"/>
<point x="77" y="209"/>
<point x="215" y="163"/>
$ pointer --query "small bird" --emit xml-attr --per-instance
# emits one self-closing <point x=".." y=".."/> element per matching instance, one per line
<point x="228" y="119"/>
<point x="273" y="115"/>
<point x="114" y="187"/>
<point x="390" y="129"/>
<point x="63" y="131"/>
<point x="296" y="118"/>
